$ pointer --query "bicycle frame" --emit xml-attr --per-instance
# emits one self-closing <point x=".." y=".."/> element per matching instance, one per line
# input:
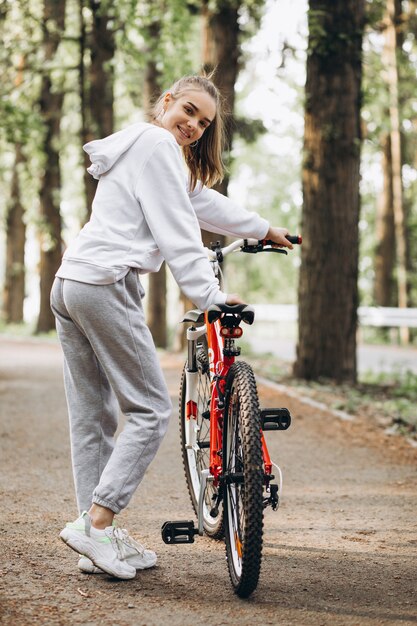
<point x="219" y="365"/>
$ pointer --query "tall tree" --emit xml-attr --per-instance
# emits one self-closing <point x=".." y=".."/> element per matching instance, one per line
<point x="220" y="57"/>
<point x="157" y="291"/>
<point x="222" y="36"/>
<point x="14" y="280"/>
<point x="14" y="284"/>
<point x="96" y="77"/>
<point x="328" y="291"/>
<point x="221" y="54"/>
<point x="378" y="92"/>
<point x="385" y="233"/>
<point x="393" y="10"/>
<point x="50" y="106"/>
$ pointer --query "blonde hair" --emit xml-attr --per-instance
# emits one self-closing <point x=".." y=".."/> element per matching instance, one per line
<point x="204" y="160"/>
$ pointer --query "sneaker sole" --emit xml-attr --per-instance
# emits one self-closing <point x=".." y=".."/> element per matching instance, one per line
<point x="89" y="570"/>
<point x="82" y="545"/>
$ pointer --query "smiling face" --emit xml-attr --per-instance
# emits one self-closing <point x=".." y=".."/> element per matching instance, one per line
<point x="188" y="115"/>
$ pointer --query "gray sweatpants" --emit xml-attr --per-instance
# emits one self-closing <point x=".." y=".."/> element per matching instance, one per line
<point x="110" y="364"/>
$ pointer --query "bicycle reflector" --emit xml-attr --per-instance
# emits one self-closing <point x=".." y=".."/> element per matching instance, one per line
<point x="231" y="333"/>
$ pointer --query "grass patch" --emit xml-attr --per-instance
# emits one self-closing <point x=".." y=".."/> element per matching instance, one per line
<point x="24" y="331"/>
<point x="390" y="399"/>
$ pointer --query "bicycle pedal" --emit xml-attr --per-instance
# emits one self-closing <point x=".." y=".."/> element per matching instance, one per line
<point x="275" y="419"/>
<point x="178" y="532"/>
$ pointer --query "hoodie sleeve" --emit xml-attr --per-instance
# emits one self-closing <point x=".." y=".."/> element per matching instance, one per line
<point x="161" y="191"/>
<point x="218" y="214"/>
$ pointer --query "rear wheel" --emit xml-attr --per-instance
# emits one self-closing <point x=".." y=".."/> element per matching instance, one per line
<point x="243" y="479"/>
<point x="198" y="459"/>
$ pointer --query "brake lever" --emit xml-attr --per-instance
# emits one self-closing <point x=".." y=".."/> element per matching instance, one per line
<point x="254" y="249"/>
<point x="279" y="250"/>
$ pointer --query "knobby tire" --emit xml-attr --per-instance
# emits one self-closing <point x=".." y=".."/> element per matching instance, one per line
<point x="243" y="501"/>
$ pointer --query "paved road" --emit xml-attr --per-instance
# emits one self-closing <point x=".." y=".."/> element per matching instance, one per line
<point x="375" y="358"/>
<point x="340" y="551"/>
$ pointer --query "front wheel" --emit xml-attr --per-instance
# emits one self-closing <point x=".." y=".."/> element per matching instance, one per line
<point x="243" y="479"/>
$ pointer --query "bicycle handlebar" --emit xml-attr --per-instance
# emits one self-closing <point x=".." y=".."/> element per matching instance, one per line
<point x="217" y="253"/>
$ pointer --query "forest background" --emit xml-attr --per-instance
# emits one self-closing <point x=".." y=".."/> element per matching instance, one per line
<point x="322" y="139"/>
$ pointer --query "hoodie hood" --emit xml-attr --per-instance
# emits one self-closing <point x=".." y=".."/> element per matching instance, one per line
<point x="105" y="152"/>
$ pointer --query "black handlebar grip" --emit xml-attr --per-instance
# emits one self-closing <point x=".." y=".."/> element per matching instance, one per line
<point x="297" y="239"/>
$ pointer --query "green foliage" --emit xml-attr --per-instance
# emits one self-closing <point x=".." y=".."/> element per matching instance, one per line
<point x="376" y="124"/>
<point x="249" y="10"/>
<point x="163" y="32"/>
<point x="265" y="176"/>
<point x="326" y="41"/>
<point x="317" y="32"/>
<point x="387" y="399"/>
<point x="267" y="277"/>
<point x="249" y="130"/>
<point x="396" y="395"/>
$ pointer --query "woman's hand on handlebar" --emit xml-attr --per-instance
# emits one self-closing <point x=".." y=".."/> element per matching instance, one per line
<point x="278" y="236"/>
<point x="233" y="298"/>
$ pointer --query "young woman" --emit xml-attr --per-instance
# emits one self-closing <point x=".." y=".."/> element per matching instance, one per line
<point x="147" y="208"/>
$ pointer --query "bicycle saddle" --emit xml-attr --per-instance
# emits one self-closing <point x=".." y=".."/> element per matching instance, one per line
<point x="243" y="312"/>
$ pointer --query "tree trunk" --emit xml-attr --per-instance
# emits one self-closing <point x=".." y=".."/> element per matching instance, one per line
<point x="328" y="292"/>
<point x="96" y="84"/>
<point x="385" y="234"/>
<point x="51" y="108"/>
<point x="14" y="285"/>
<point x="157" y="307"/>
<point x="87" y="134"/>
<point x="396" y="156"/>
<point x="157" y="293"/>
<point x="221" y="51"/>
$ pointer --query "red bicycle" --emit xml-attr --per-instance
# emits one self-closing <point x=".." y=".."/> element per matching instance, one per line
<point x="227" y="465"/>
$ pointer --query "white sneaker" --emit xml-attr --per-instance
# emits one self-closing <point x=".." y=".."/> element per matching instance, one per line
<point x="103" y="547"/>
<point x="135" y="554"/>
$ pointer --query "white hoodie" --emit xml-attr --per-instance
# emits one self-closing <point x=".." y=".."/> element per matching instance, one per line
<point x="144" y="213"/>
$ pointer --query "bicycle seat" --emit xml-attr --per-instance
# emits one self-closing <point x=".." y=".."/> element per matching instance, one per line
<point x="243" y="312"/>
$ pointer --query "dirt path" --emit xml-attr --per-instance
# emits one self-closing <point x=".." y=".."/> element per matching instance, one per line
<point x="341" y="550"/>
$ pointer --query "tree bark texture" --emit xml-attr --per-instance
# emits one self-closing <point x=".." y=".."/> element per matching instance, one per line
<point x="221" y="52"/>
<point x="51" y="108"/>
<point x="390" y="53"/>
<point x="14" y="284"/>
<point x="385" y="234"/>
<point x="96" y="82"/>
<point x="328" y="292"/>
